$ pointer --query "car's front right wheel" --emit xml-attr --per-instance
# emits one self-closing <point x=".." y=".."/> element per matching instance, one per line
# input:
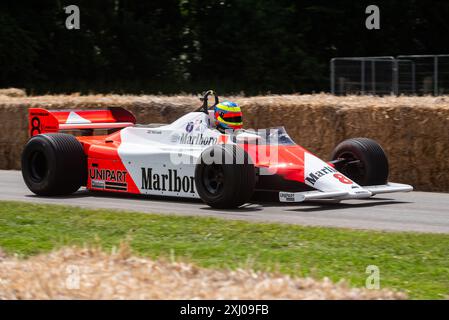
<point x="362" y="160"/>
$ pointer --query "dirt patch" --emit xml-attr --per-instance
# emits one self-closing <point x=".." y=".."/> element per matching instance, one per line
<point x="414" y="131"/>
<point x="74" y="273"/>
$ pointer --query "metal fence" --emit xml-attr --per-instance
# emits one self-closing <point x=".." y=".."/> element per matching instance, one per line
<point x="388" y="75"/>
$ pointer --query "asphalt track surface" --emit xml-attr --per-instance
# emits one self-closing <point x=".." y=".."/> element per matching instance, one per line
<point x="413" y="211"/>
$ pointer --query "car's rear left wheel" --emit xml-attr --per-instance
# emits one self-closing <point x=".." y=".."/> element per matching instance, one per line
<point x="54" y="164"/>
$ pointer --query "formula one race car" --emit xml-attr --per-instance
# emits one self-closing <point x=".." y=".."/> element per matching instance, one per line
<point x="190" y="158"/>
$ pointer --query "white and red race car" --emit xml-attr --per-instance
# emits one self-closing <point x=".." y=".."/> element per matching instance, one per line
<point x="190" y="158"/>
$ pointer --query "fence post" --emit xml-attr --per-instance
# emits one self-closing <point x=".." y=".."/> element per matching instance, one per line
<point x="435" y="76"/>
<point x="395" y="77"/>
<point x="333" y="76"/>
<point x="362" y="75"/>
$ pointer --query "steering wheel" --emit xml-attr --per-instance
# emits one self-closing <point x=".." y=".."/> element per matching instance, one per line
<point x="205" y="98"/>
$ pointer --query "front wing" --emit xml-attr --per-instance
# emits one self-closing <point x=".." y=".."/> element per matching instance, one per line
<point x="366" y="192"/>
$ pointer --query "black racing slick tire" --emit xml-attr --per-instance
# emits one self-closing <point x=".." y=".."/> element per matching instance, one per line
<point x="225" y="176"/>
<point x="362" y="160"/>
<point x="54" y="164"/>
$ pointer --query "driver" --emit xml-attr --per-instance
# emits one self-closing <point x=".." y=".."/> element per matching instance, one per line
<point x="228" y="116"/>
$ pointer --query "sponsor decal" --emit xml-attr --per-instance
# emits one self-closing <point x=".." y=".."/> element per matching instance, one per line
<point x="154" y="132"/>
<point x="199" y="126"/>
<point x="169" y="181"/>
<point x="116" y="186"/>
<point x="108" y="179"/>
<point x="189" y="126"/>
<point x="97" y="184"/>
<point x="287" y="196"/>
<point x="197" y="139"/>
<point x="40" y="114"/>
<point x="313" y="177"/>
<point x="108" y="175"/>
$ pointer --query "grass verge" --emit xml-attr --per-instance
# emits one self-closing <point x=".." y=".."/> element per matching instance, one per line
<point x="415" y="263"/>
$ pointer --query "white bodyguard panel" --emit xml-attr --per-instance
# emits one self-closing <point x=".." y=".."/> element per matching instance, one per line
<point x="337" y="195"/>
<point x="161" y="161"/>
<point x="331" y="184"/>
<point x="322" y="176"/>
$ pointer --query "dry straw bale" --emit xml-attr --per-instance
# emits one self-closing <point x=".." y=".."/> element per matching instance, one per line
<point x="13" y="92"/>
<point x="122" y="276"/>
<point x="414" y="131"/>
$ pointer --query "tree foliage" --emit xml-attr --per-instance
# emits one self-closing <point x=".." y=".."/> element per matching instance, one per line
<point x="168" y="46"/>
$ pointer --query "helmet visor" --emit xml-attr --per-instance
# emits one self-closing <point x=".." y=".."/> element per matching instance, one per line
<point x="234" y="119"/>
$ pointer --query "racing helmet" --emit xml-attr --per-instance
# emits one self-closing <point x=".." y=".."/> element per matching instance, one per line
<point x="228" y="115"/>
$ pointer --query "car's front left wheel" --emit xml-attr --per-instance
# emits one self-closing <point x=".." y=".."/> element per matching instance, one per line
<point x="225" y="176"/>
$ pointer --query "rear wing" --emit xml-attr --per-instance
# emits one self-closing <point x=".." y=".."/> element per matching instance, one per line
<point x="47" y="121"/>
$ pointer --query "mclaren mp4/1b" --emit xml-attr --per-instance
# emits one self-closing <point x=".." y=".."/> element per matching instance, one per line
<point x="190" y="158"/>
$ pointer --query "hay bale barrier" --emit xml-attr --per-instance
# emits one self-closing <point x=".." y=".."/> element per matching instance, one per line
<point x="414" y="131"/>
<point x="13" y="92"/>
<point x="89" y="273"/>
